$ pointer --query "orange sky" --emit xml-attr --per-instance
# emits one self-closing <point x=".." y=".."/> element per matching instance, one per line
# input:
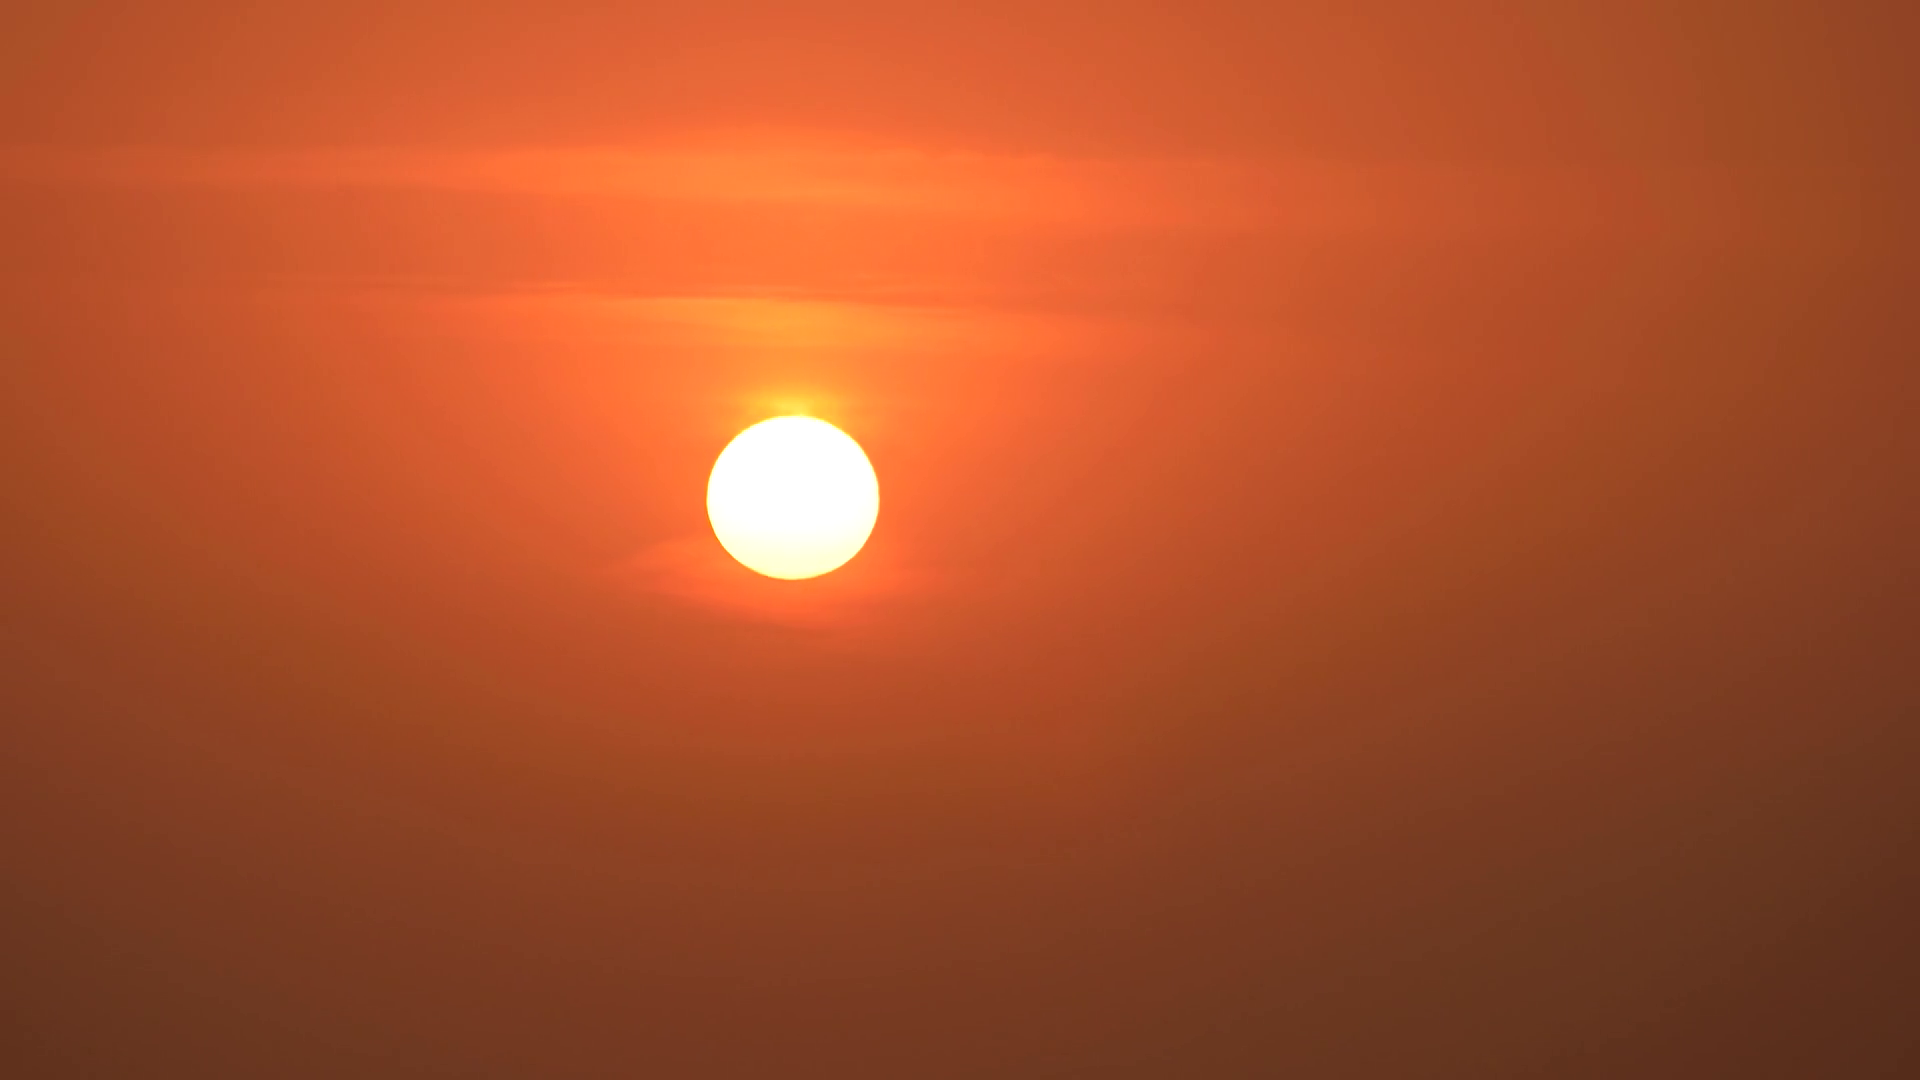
<point x="1394" y="553"/>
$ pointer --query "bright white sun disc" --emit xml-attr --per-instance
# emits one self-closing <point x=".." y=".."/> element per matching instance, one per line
<point x="793" y="497"/>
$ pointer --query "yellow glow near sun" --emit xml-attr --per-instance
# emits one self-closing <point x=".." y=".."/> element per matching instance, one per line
<point x="793" y="497"/>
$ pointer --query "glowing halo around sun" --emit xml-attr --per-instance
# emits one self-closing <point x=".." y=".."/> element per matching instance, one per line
<point x="793" y="497"/>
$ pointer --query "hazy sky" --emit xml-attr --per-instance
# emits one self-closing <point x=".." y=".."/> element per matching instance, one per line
<point x="1395" y="551"/>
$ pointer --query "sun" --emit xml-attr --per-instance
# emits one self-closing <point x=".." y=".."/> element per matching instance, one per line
<point x="793" y="497"/>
